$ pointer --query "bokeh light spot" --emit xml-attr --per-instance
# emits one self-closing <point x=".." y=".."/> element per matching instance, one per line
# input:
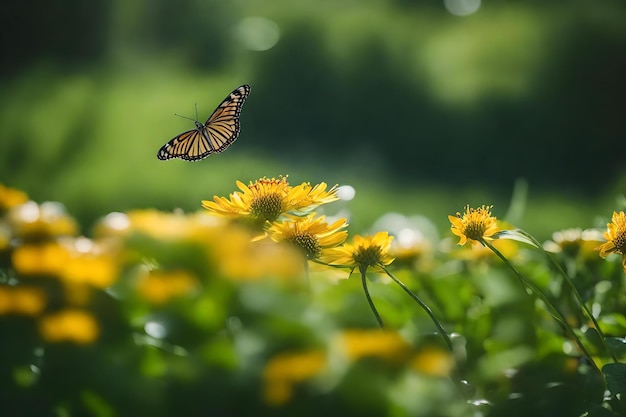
<point x="258" y="33"/>
<point x="462" y="7"/>
<point x="155" y="329"/>
<point x="346" y="192"/>
<point x="117" y="221"/>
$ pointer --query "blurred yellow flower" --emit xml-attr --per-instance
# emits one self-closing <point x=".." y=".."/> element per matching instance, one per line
<point x="35" y="221"/>
<point x="98" y="270"/>
<point x="228" y="246"/>
<point x="574" y="242"/>
<point x="433" y="361"/>
<point x="74" y="260"/>
<point x="616" y="238"/>
<point x="49" y="258"/>
<point x="69" y="325"/>
<point x="77" y="294"/>
<point x="158" y="224"/>
<point x="508" y="248"/>
<point x="90" y="263"/>
<point x="285" y="370"/>
<point x="5" y="236"/>
<point x="10" y="197"/>
<point x="378" y="343"/>
<point x="268" y="199"/>
<point x="5" y="299"/>
<point x="159" y="287"/>
<point x="309" y="234"/>
<point x="113" y="225"/>
<point x="475" y="224"/>
<point x="414" y="254"/>
<point x="28" y="301"/>
<point x="260" y="260"/>
<point x="364" y="252"/>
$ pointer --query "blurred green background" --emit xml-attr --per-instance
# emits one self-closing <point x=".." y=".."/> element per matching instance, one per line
<point x="423" y="106"/>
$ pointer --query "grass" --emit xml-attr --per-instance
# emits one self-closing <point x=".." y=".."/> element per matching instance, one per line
<point x="93" y="140"/>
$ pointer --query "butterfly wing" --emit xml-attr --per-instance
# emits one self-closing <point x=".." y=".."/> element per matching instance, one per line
<point x="222" y="127"/>
<point x="185" y="146"/>
<point x="218" y="132"/>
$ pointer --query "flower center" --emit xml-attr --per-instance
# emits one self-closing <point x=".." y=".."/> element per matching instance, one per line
<point x="267" y="206"/>
<point x="308" y="243"/>
<point x="476" y="222"/>
<point x="368" y="256"/>
<point x="620" y="240"/>
<point x="475" y="229"/>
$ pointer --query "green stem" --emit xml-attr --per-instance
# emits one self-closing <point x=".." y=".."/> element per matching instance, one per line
<point x="556" y="314"/>
<point x="363" y="271"/>
<point x="577" y="295"/>
<point x="421" y="304"/>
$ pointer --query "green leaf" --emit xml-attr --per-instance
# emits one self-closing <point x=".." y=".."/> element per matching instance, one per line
<point x="617" y="345"/>
<point x="599" y="411"/>
<point x="615" y="374"/>
<point x="518" y="235"/>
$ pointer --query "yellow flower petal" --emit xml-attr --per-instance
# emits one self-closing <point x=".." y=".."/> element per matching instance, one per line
<point x="309" y="234"/>
<point x="69" y="325"/>
<point x="267" y="199"/>
<point x="475" y="225"/>
<point x="616" y="238"/>
<point x="364" y="252"/>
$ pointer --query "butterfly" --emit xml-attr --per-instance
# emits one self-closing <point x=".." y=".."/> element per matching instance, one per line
<point x="219" y="131"/>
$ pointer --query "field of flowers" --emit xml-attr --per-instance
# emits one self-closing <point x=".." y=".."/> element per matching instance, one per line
<point x="259" y="304"/>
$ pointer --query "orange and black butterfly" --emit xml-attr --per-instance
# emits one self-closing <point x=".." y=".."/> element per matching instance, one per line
<point x="215" y="135"/>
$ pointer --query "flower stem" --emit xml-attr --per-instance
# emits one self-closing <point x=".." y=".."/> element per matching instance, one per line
<point x="421" y="304"/>
<point x="556" y="314"/>
<point x="577" y="295"/>
<point x="363" y="271"/>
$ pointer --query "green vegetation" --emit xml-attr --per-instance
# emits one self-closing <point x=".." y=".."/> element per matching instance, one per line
<point x="422" y="112"/>
<point x="162" y="313"/>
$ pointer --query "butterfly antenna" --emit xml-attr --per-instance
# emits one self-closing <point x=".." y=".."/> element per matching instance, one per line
<point x="185" y="117"/>
<point x="196" y="111"/>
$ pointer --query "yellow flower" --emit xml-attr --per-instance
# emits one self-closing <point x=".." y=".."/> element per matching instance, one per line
<point x="46" y="259"/>
<point x="362" y="252"/>
<point x="159" y="287"/>
<point x="616" y="238"/>
<point x="157" y="224"/>
<point x="285" y="370"/>
<point x="5" y="236"/>
<point x="6" y="300"/>
<point x="91" y="263"/>
<point x="34" y="221"/>
<point x="74" y="260"/>
<point x="97" y="270"/>
<point x="268" y="199"/>
<point x="262" y="260"/>
<point x="28" y="301"/>
<point x="475" y="224"/>
<point x="414" y="253"/>
<point x="574" y="242"/>
<point x="10" y="197"/>
<point x="433" y="361"/>
<point x="378" y="343"/>
<point x="69" y="325"/>
<point x="114" y="225"/>
<point x="309" y="234"/>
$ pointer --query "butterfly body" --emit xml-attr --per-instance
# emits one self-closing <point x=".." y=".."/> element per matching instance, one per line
<point x="219" y="131"/>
